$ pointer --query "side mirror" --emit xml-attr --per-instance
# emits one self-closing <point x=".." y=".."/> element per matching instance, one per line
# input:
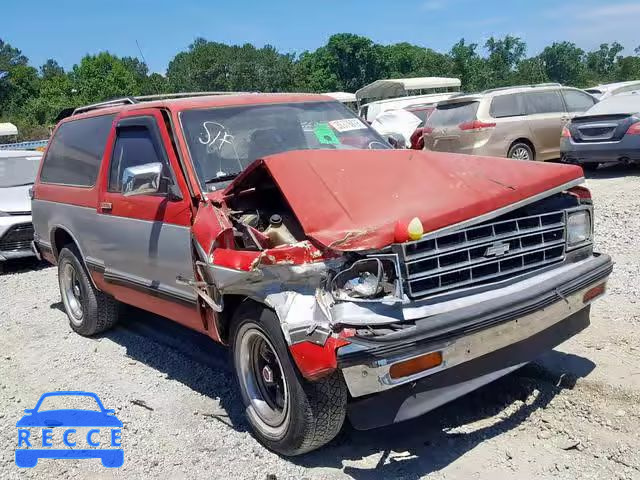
<point x="396" y="140"/>
<point x="142" y="179"/>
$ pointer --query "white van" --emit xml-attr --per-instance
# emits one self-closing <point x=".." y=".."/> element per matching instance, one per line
<point x="392" y="94"/>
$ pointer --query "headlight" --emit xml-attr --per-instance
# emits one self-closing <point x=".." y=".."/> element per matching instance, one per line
<point x="370" y="279"/>
<point x="578" y="227"/>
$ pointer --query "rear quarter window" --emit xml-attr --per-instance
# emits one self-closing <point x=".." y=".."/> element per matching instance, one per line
<point x="453" y="113"/>
<point x="75" y="152"/>
<point x="510" y="105"/>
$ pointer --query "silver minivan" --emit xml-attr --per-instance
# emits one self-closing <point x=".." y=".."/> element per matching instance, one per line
<point x="523" y="123"/>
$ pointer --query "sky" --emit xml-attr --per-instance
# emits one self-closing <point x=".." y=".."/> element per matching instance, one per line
<point x="66" y="30"/>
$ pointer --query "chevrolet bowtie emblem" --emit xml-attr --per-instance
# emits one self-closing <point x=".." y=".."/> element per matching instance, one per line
<point x="497" y="250"/>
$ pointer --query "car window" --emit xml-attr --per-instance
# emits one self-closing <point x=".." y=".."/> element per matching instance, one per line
<point x="134" y="146"/>
<point x="577" y="101"/>
<point x="548" y="101"/>
<point x="510" y="105"/>
<point x="18" y="171"/>
<point x="224" y="141"/>
<point x="453" y="114"/>
<point x="75" y="151"/>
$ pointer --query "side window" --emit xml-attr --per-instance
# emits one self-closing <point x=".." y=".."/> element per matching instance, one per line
<point x="75" y="152"/>
<point x="135" y="145"/>
<point x="548" y="101"/>
<point x="510" y="105"/>
<point x="577" y="101"/>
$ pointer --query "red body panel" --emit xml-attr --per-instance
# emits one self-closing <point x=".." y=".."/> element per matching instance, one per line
<point x="315" y="361"/>
<point x="352" y="200"/>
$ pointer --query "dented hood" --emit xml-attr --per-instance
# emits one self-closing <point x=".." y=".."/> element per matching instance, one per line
<point x="353" y="199"/>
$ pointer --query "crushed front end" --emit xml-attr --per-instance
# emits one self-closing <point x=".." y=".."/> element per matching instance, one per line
<point x="414" y="322"/>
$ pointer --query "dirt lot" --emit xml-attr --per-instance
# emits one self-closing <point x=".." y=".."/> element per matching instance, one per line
<point x="573" y="414"/>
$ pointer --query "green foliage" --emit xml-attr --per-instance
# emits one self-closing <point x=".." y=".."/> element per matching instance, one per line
<point x="32" y="98"/>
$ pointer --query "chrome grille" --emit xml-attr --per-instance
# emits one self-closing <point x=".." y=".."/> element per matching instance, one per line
<point x="17" y="238"/>
<point x="483" y="253"/>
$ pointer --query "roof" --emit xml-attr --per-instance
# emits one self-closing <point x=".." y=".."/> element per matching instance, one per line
<point x="400" y="86"/>
<point x="344" y="97"/>
<point x="8" y="129"/>
<point x="206" y="101"/>
<point x="605" y="87"/>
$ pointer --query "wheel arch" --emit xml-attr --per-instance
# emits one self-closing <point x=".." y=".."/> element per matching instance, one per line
<point x="526" y="141"/>
<point x="61" y="236"/>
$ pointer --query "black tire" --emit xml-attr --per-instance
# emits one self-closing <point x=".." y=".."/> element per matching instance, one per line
<point x="315" y="411"/>
<point x="519" y="149"/>
<point x="98" y="311"/>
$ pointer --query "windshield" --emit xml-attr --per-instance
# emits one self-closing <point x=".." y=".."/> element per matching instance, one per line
<point x="18" y="171"/>
<point x="449" y="114"/>
<point x="224" y="141"/>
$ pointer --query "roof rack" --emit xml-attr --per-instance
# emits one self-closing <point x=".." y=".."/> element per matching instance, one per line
<point x="108" y="103"/>
<point x="143" y="98"/>
<point x="533" y="85"/>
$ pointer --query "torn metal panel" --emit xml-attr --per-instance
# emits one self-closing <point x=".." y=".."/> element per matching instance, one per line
<point x="352" y="199"/>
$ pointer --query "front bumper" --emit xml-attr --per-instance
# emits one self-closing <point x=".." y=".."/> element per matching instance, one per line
<point x="9" y="248"/>
<point x="498" y="320"/>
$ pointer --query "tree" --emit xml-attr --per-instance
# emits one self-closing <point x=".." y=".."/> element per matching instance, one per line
<point x="564" y="63"/>
<point x="602" y="63"/>
<point x="51" y="69"/>
<point x="354" y="60"/>
<point x="504" y="57"/>
<point x="103" y="76"/>
<point x="469" y="66"/>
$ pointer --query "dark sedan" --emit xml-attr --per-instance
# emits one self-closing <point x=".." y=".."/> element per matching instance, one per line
<point x="609" y="132"/>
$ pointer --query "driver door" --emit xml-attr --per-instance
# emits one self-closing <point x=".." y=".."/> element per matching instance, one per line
<point x="145" y="238"/>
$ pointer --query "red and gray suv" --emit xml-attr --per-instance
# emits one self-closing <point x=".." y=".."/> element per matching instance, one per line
<point x="347" y="278"/>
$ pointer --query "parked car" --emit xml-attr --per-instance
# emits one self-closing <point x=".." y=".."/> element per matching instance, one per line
<point x="18" y="169"/>
<point x="346" y="277"/>
<point x="398" y="123"/>
<point x="609" y="132"/>
<point x="523" y="123"/>
<point x="393" y="94"/>
<point x="611" y="89"/>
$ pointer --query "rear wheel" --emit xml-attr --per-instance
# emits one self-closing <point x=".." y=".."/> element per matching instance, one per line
<point x="89" y="310"/>
<point x="288" y="414"/>
<point x="520" y="151"/>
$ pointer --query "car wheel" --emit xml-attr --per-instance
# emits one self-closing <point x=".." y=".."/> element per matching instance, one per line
<point x="288" y="414"/>
<point x="521" y="151"/>
<point x="89" y="310"/>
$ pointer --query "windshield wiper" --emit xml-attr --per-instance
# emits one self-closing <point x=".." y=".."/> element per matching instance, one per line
<point x="223" y="178"/>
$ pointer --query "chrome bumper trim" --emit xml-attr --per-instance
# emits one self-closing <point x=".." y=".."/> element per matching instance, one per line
<point x="374" y="377"/>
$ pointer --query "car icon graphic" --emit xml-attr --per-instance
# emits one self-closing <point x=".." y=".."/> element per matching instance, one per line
<point x="49" y="419"/>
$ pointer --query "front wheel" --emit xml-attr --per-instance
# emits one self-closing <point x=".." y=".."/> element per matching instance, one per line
<point x="520" y="151"/>
<point x="288" y="414"/>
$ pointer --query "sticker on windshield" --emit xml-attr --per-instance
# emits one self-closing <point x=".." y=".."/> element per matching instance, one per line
<point x="347" y="124"/>
<point x="325" y="135"/>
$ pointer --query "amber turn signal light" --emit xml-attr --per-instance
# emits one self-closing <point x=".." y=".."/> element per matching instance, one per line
<point x="593" y="293"/>
<point x="415" y="365"/>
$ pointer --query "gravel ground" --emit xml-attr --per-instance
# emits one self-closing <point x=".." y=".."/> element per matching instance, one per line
<point x="572" y="414"/>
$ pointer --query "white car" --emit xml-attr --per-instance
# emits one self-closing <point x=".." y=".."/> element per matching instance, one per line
<point x="18" y="170"/>
<point x="610" y="89"/>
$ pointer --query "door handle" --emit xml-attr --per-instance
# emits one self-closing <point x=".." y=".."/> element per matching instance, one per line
<point x="106" y="207"/>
